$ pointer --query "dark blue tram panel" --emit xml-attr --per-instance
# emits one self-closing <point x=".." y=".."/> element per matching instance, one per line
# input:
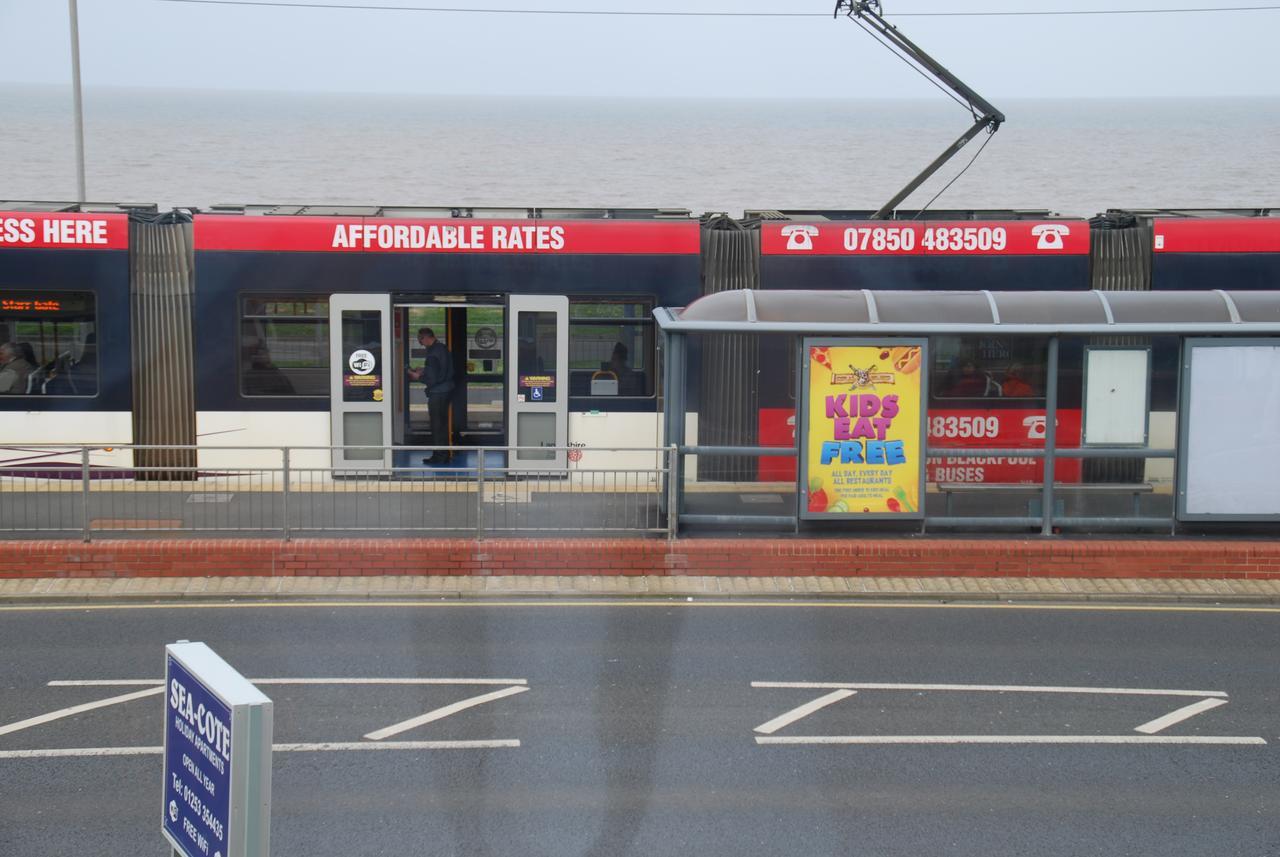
<point x="1238" y="253"/>
<point x="1006" y="255"/>
<point x="64" y="302"/>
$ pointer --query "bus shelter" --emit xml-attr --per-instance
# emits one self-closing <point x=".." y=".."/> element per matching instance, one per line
<point x="1033" y="411"/>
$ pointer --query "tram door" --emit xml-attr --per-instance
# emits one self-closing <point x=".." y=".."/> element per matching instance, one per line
<point x="474" y="333"/>
<point x="360" y="380"/>
<point x="538" y="404"/>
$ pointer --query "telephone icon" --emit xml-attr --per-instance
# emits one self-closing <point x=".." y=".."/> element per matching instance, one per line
<point x="800" y="236"/>
<point x="1035" y="427"/>
<point x="1050" y="235"/>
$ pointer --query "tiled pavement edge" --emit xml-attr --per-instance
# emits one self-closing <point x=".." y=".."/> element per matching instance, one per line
<point x="427" y="588"/>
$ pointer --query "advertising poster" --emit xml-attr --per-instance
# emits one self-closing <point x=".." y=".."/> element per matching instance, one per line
<point x="1000" y="428"/>
<point x="863" y="451"/>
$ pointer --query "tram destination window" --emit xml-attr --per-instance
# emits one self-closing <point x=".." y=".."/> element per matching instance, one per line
<point x="284" y="345"/>
<point x="985" y="367"/>
<point x="48" y="344"/>
<point x="611" y="348"/>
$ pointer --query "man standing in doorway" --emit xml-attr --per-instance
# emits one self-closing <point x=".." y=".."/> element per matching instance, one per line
<point x="437" y="376"/>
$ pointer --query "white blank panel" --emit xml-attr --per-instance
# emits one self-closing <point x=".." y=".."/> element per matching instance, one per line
<point x="1233" y="431"/>
<point x="1115" y="407"/>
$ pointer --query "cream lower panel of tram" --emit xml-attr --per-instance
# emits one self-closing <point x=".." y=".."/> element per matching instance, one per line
<point x="597" y="433"/>
<point x="103" y="430"/>
<point x="224" y="436"/>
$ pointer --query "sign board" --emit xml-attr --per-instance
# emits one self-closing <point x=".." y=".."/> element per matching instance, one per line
<point x="217" y="757"/>
<point x="895" y="239"/>
<point x="863" y="432"/>
<point x="358" y="235"/>
<point x="52" y="230"/>
<point x="1117" y="395"/>
<point x="1229" y="447"/>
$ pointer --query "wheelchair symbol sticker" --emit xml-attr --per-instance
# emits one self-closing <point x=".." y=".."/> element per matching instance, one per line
<point x="535" y="394"/>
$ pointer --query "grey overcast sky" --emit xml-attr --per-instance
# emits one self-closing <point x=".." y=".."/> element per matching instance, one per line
<point x="182" y="45"/>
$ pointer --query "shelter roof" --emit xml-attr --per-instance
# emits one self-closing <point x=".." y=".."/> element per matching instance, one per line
<point x="1030" y="312"/>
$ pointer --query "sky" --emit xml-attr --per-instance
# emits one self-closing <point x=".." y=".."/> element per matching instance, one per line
<point x="156" y="43"/>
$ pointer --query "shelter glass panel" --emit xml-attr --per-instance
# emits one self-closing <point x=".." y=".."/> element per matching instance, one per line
<point x="986" y="367"/>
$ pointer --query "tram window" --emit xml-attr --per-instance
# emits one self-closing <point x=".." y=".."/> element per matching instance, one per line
<point x="284" y="345"/>
<point x="611" y="348"/>
<point x="974" y="367"/>
<point x="48" y="344"/>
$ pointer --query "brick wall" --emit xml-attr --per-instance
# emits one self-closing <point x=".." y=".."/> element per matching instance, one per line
<point x="776" y="557"/>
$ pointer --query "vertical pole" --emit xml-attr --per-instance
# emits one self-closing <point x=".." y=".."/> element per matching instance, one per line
<point x="79" y="106"/>
<point x="665" y="440"/>
<point x="1050" y="438"/>
<point x="800" y="424"/>
<point x="479" y="493"/>
<point x="284" y="472"/>
<point x="84" y="490"/>
<point x="676" y="404"/>
<point x="673" y="516"/>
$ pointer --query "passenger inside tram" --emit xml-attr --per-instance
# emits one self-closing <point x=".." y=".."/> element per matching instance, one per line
<point x="15" y="368"/>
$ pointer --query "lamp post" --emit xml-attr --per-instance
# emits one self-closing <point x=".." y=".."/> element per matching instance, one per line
<point x="79" y="108"/>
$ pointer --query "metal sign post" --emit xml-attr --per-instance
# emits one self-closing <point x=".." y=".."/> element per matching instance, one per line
<point x="79" y="104"/>
<point x="217" y="757"/>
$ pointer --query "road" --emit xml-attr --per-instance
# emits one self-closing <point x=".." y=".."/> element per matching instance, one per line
<point x="654" y="727"/>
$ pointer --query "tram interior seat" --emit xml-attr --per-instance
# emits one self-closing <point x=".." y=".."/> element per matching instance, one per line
<point x="606" y="382"/>
<point x="37" y="380"/>
<point x="56" y="377"/>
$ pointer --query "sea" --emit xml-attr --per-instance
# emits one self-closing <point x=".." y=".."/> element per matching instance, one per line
<point x="200" y="148"/>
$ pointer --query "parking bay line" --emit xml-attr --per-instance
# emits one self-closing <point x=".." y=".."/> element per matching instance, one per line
<point x="803" y="711"/>
<point x="445" y="711"/>
<point x="314" y="747"/>
<point x="985" y="688"/>
<point x="139" y="682"/>
<point x="1007" y="739"/>
<point x="1174" y="717"/>
<point x="78" y="709"/>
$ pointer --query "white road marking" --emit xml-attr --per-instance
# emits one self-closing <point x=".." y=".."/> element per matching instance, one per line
<point x="803" y="711"/>
<point x="1006" y="739"/>
<point x="1184" y="713"/>
<point x="78" y="709"/>
<point x="321" y="747"/>
<point x="80" y="752"/>
<point x="108" y="682"/>
<point x="399" y="745"/>
<point x="986" y="688"/>
<point x="139" y="682"/>
<point x="440" y="713"/>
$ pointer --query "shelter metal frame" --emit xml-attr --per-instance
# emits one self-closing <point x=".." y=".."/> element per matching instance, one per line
<point x="1053" y="315"/>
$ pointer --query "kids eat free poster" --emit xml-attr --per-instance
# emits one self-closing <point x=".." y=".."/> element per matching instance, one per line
<point x="864" y="450"/>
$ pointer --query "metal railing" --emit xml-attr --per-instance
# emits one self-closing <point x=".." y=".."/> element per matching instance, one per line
<point x="91" y="491"/>
<point x="1049" y="505"/>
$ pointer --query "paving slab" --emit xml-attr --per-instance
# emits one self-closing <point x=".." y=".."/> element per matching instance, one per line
<point x="53" y="590"/>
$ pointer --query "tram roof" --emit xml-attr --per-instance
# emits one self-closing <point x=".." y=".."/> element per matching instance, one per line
<point x="1031" y="312"/>
<point x="451" y="212"/>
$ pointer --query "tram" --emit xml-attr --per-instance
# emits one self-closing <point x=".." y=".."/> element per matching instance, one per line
<point x="266" y="326"/>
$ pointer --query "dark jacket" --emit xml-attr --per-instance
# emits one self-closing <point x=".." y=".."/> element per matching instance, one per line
<point x="437" y="374"/>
